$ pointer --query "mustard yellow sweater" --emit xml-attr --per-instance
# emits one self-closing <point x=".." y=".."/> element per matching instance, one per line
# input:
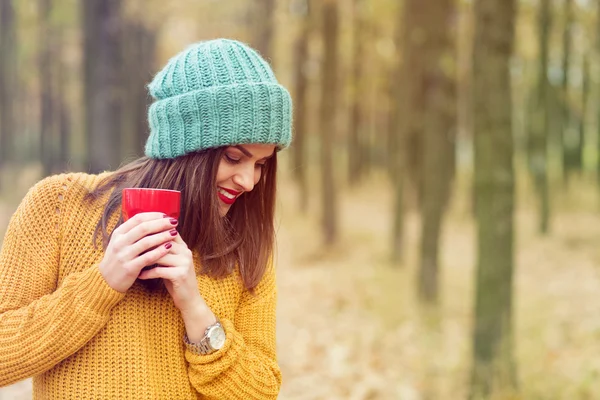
<point x="61" y="323"/>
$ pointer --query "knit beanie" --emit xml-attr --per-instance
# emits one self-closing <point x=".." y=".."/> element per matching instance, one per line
<point x="216" y="93"/>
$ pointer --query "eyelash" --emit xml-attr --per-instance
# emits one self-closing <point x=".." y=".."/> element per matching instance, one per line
<point x="237" y="161"/>
<point x="232" y="160"/>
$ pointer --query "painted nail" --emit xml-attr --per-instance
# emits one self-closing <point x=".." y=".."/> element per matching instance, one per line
<point x="168" y="246"/>
<point x="173" y="232"/>
<point x="173" y="221"/>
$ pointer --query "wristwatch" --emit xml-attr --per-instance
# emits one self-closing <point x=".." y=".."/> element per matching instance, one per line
<point x="213" y="340"/>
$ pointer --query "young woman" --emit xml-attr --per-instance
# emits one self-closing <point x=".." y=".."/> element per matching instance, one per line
<point x="76" y="312"/>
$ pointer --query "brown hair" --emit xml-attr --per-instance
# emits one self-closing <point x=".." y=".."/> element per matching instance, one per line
<point x="244" y="237"/>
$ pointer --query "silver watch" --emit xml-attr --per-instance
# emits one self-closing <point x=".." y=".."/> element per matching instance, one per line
<point x="213" y="340"/>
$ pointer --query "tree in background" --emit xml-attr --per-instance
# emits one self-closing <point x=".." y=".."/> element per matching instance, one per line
<point x="356" y="134"/>
<point x="581" y="123"/>
<point x="493" y="365"/>
<point x="48" y="111"/>
<point x="262" y="14"/>
<point x="403" y="80"/>
<point x="101" y="27"/>
<point x="440" y="117"/>
<point x="64" y="126"/>
<point x="301" y="57"/>
<point x="407" y="125"/>
<point x="372" y="99"/>
<point x="54" y="115"/>
<point x="598" y="107"/>
<point x="329" y="98"/>
<point x="566" y="140"/>
<point x="541" y="122"/>
<point x="138" y="54"/>
<point x="8" y="77"/>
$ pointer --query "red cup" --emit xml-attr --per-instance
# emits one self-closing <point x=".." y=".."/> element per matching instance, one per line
<point x="137" y="200"/>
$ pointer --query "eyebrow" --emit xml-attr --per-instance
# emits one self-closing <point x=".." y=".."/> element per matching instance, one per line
<point x="250" y="155"/>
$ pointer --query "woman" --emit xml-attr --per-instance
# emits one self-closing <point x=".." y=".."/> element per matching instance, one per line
<point x="76" y="312"/>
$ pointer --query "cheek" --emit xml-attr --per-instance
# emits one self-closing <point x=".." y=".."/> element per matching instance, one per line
<point x="257" y="174"/>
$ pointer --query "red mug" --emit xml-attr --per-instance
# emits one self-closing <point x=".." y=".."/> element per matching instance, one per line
<point x="137" y="200"/>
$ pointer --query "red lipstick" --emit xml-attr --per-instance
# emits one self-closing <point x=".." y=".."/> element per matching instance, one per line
<point x="224" y="198"/>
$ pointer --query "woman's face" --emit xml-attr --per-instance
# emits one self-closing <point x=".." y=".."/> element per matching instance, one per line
<point x="239" y="170"/>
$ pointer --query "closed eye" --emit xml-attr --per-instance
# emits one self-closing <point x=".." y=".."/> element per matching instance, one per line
<point x="232" y="160"/>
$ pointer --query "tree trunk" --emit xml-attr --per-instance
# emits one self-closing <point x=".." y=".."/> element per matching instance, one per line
<point x="328" y="119"/>
<point x="539" y="137"/>
<point x="64" y="121"/>
<point x="598" y="110"/>
<point x="263" y="21"/>
<point x="404" y="83"/>
<point x="585" y="90"/>
<point x="8" y="77"/>
<point x="567" y="147"/>
<point x="407" y="117"/>
<point x="414" y="25"/>
<point x="101" y="25"/>
<point x="493" y="364"/>
<point x="398" y="130"/>
<point x="368" y="134"/>
<point x="139" y="48"/>
<point x="301" y="55"/>
<point x="48" y="110"/>
<point x="440" y="120"/>
<point x="356" y="133"/>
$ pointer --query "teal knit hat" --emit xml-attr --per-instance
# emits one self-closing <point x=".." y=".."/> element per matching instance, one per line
<point x="216" y="93"/>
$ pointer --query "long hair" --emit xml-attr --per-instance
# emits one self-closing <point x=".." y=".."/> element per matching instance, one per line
<point x="244" y="237"/>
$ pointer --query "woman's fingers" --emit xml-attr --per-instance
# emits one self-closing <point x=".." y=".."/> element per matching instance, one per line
<point x="151" y="241"/>
<point x="165" y="270"/>
<point x="137" y="219"/>
<point x="149" y="227"/>
<point x="151" y="257"/>
<point x="175" y="257"/>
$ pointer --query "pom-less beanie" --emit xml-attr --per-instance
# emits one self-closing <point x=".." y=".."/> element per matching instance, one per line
<point x="216" y="93"/>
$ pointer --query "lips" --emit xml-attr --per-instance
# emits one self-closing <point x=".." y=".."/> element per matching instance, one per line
<point x="227" y="196"/>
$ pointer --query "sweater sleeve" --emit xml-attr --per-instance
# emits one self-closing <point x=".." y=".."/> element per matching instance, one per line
<point x="40" y="324"/>
<point x="246" y="367"/>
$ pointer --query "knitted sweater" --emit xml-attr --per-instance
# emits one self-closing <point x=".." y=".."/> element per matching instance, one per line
<point x="61" y="323"/>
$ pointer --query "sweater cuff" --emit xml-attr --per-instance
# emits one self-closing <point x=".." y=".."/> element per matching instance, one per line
<point x="95" y="293"/>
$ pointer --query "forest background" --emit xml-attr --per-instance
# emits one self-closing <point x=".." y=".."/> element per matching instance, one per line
<point x="438" y="210"/>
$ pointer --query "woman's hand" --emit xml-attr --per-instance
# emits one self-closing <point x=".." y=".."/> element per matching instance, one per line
<point x="179" y="275"/>
<point x="138" y="242"/>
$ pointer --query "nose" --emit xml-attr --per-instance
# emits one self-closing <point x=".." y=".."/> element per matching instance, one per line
<point x="245" y="178"/>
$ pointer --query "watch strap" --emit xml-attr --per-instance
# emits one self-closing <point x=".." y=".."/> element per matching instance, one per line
<point x="202" y="347"/>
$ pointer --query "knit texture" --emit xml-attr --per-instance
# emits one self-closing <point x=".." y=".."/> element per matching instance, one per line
<point x="61" y="323"/>
<point x="216" y="93"/>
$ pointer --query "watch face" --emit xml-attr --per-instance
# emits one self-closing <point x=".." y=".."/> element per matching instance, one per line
<point x="216" y="337"/>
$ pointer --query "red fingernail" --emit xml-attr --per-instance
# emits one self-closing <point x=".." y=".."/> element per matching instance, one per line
<point x="173" y="221"/>
<point x="168" y="246"/>
<point x="173" y="232"/>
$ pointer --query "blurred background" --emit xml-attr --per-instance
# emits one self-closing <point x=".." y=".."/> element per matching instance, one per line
<point x="437" y="218"/>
